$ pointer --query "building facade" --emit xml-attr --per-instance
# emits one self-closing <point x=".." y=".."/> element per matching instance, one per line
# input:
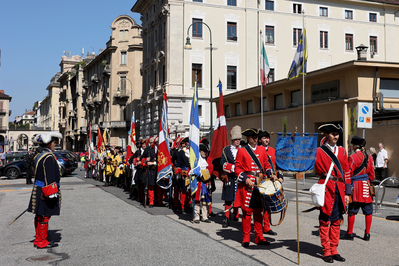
<point x="112" y="82"/>
<point x="5" y="113"/>
<point x="27" y="118"/>
<point x="49" y="113"/>
<point x="236" y="29"/>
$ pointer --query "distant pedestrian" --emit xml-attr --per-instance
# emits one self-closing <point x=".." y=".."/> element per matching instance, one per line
<point x="381" y="165"/>
<point x="29" y="161"/>
<point x="45" y="199"/>
<point x="3" y="158"/>
<point x="373" y="154"/>
<point x="82" y="160"/>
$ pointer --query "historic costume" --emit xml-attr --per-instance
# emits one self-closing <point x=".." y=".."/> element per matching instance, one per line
<point x="176" y="173"/>
<point x="337" y="187"/>
<point x="45" y="200"/>
<point x="362" y="172"/>
<point x="248" y="198"/>
<point x="227" y="162"/>
<point x="139" y="161"/>
<point x="183" y="165"/>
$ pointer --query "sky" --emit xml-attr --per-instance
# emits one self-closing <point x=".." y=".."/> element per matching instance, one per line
<point x="35" y="34"/>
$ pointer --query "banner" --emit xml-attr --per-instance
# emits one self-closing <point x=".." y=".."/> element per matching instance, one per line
<point x="194" y="141"/>
<point x="296" y="153"/>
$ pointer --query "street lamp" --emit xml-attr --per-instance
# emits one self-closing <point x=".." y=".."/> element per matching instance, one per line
<point x="187" y="46"/>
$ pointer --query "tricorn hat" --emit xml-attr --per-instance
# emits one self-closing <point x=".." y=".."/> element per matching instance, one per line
<point x="263" y="134"/>
<point x="358" y="141"/>
<point x="47" y="137"/>
<point x="203" y="147"/>
<point x="250" y="132"/>
<point x="328" y="128"/>
<point x="186" y="139"/>
<point x="235" y="132"/>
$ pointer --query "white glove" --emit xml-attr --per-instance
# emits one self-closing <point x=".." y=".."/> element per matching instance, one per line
<point x="55" y="195"/>
<point x="232" y="168"/>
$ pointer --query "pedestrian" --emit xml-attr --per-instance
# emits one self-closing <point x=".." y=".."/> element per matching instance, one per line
<point x="381" y="165"/>
<point x="264" y="140"/>
<point x="251" y="165"/>
<point x="228" y="177"/>
<point x="45" y="199"/>
<point x="3" y="158"/>
<point x="29" y="162"/>
<point x="338" y="189"/>
<point x="183" y="163"/>
<point x="373" y="154"/>
<point x="82" y="160"/>
<point x="362" y="173"/>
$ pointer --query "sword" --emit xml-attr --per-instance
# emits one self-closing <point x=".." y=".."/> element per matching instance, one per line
<point x="18" y="216"/>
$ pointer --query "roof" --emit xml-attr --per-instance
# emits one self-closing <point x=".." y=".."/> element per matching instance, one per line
<point x="4" y="96"/>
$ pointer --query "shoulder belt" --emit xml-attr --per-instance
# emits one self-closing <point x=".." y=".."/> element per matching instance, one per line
<point x="362" y="166"/>
<point x="271" y="163"/>
<point x="254" y="158"/>
<point x="334" y="160"/>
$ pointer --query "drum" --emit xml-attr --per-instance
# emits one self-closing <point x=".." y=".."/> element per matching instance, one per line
<point x="272" y="195"/>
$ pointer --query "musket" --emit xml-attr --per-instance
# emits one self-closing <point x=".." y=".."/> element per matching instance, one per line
<point x="19" y="216"/>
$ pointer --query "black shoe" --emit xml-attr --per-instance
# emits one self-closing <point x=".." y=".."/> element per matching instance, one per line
<point x="245" y="244"/>
<point x="50" y="245"/>
<point x="151" y="206"/>
<point x="366" y="237"/>
<point x="263" y="243"/>
<point x="197" y="221"/>
<point x="348" y="236"/>
<point x="271" y="232"/>
<point x="207" y="221"/>
<point x="225" y="222"/>
<point x="338" y="257"/>
<point x="328" y="259"/>
<point x="212" y="214"/>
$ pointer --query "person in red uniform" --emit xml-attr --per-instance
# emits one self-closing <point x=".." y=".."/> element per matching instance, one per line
<point x="248" y="197"/>
<point x="264" y="140"/>
<point x="362" y="172"/>
<point x="338" y="190"/>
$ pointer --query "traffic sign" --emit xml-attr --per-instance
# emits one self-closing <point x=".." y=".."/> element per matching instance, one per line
<point x="364" y="115"/>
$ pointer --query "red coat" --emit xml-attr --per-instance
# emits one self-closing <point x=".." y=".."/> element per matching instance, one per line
<point x="323" y="163"/>
<point x="244" y="163"/>
<point x="361" y="189"/>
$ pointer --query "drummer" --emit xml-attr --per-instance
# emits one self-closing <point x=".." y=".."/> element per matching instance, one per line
<point x="264" y="140"/>
<point x="338" y="189"/>
<point x="251" y="162"/>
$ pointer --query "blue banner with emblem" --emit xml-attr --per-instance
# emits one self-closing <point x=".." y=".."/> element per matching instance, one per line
<point x="296" y="153"/>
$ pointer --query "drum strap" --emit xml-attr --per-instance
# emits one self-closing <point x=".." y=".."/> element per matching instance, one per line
<point x="271" y="163"/>
<point x="334" y="159"/>
<point x="282" y="215"/>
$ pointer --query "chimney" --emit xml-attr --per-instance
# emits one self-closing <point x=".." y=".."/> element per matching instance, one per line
<point x="2" y="91"/>
<point x="361" y="52"/>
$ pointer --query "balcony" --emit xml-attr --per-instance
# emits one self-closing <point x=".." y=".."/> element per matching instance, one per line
<point x="62" y="104"/>
<point x="3" y="129"/>
<point x="121" y="96"/>
<point x="3" y="111"/>
<point x="62" y="122"/>
<point x="120" y="124"/>
<point x="83" y="130"/>
<point x="105" y="124"/>
<point x="71" y="113"/>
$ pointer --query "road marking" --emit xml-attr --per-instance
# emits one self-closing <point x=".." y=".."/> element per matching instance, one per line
<point x="16" y="189"/>
<point x="7" y="184"/>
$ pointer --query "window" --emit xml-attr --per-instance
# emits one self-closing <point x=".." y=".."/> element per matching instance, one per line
<point x="389" y="87"/>
<point x="278" y="102"/>
<point x="197" y="0"/>
<point x="155" y="38"/>
<point x="199" y="110"/>
<point x="163" y="75"/>
<point x="348" y="14"/>
<point x="227" y="111"/>
<point x="122" y="86"/>
<point x="197" y="72"/>
<point x="269" y="34"/>
<point x="325" y="91"/>
<point x="197" y="27"/>
<point x="323" y="12"/>
<point x="123" y="35"/>
<point x="231" y="2"/>
<point x="123" y="58"/>
<point x="297" y="8"/>
<point x="349" y="42"/>
<point x="296" y="97"/>
<point x="373" y="17"/>
<point x="231" y="77"/>
<point x="373" y="44"/>
<point x="264" y="104"/>
<point x="269" y="5"/>
<point x="296" y="36"/>
<point x="270" y="77"/>
<point x="232" y="31"/>
<point x="323" y="39"/>
<point x="238" y="109"/>
<point x="250" y="107"/>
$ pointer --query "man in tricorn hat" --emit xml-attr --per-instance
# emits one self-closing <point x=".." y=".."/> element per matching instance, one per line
<point x="251" y="164"/>
<point x="338" y="190"/>
<point x="45" y="200"/>
<point x="362" y="172"/>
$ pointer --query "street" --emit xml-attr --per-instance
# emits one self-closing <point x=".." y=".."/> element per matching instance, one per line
<point x="101" y="226"/>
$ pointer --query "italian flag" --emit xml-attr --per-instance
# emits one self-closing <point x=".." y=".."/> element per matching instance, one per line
<point x="264" y="65"/>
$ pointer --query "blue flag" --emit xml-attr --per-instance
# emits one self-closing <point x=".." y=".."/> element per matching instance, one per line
<point x="194" y="141"/>
<point x="298" y="65"/>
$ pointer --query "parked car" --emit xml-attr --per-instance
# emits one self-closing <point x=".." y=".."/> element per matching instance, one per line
<point x="16" y="155"/>
<point x="14" y="169"/>
<point x="67" y="161"/>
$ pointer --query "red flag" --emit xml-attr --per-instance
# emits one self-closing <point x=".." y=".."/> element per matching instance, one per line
<point x="220" y="138"/>
<point x="100" y="143"/>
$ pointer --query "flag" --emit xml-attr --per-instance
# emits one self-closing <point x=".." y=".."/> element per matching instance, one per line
<point x="164" y="162"/>
<point x="194" y="141"/>
<point x="220" y="138"/>
<point x="91" y="148"/>
<point x="105" y="137"/>
<point x="264" y="65"/>
<point x="100" y="142"/>
<point x="132" y="133"/>
<point x="298" y="66"/>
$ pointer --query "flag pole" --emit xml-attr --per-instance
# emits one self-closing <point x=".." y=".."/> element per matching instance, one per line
<point x="261" y="89"/>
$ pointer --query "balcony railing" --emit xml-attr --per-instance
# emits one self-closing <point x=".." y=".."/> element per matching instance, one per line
<point x="3" y="111"/>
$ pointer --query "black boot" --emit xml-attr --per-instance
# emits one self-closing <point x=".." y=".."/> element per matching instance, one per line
<point x="225" y="222"/>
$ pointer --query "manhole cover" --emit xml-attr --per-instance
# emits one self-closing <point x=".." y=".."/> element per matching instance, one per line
<point x="45" y="257"/>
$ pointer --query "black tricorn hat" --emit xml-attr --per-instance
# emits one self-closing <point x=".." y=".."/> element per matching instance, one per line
<point x="203" y="147"/>
<point x="328" y="128"/>
<point x="358" y="141"/>
<point x="263" y="134"/>
<point x="186" y="139"/>
<point x="250" y="132"/>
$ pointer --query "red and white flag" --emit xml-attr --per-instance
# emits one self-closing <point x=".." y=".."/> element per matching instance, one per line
<point x="220" y="138"/>
<point x="131" y="140"/>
